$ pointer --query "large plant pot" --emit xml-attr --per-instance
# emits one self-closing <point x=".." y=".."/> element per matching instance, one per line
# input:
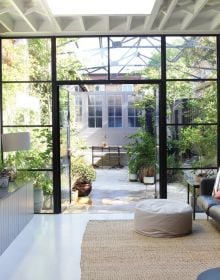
<point x="38" y="200"/>
<point x="132" y="177"/>
<point x="48" y="202"/>
<point x="4" y="181"/>
<point x="84" y="189"/>
<point x="149" y="180"/>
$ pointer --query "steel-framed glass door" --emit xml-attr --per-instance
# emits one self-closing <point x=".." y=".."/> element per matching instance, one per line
<point x="65" y="159"/>
<point x="105" y="113"/>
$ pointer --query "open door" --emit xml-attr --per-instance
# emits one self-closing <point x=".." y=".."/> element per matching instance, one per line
<point x="65" y="163"/>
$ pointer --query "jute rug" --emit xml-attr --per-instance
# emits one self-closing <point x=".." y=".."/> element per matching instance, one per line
<point x="111" y="250"/>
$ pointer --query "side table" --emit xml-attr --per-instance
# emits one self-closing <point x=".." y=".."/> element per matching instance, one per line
<point x="194" y="185"/>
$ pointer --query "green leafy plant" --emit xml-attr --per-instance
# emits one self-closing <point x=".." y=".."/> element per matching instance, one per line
<point x="81" y="171"/>
<point x="142" y="153"/>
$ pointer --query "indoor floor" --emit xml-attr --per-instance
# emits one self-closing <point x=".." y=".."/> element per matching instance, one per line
<point x="49" y="248"/>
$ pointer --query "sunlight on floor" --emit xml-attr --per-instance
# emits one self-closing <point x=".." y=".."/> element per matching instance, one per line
<point x="112" y="193"/>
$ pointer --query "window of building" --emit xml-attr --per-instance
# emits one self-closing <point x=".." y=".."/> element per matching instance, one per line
<point x="127" y="87"/>
<point x="114" y="111"/>
<point x="133" y="113"/>
<point x="78" y="108"/>
<point x="94" y="111"/>
<point x="99" y="87"/>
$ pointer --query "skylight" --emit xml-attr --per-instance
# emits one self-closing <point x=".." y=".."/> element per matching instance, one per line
<point x="101" y="7"/>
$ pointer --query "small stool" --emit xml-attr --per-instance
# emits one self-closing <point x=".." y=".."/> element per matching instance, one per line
<point x="210" y="274"/>
<point x="163" y="218"/>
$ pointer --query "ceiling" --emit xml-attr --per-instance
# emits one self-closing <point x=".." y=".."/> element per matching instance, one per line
<point x="33" y="17"/>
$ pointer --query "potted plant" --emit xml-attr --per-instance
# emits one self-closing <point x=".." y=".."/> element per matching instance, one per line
<point x="82" y="174"/>
<point x="147" y="174"/>
<point x="132" y="161"/>
<point x="4" y="178"/>
<point x="142" y="154"/>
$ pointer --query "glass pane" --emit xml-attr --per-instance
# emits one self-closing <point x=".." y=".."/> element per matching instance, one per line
<point x="192" y="146"/>
<point x="98" y="122"/>
<point x="111" y="122"/>
<point x="137" y="122"/>
<point x="99" y="111"/>
<point x="118" y="111"/>
<point x="131" y="111"/>
<point x="27" y="104"/>
<point x="118" y="122"/>
<point x="111" y="101"/>
<point x="135" y="57"/>
<point x="191" y="57"/>
<point x="98" y="100"/>
<point x="91" y="100"/>
<point x="91" y="111"/>
<point x="65" y="168"/>
<point x="40" y="154"/>
<point x="118" y="100"/>
<point x="82" y="57"/>
<point x="131" y="122"/>
<point x="111" y="111"/>
<point x="191" y="102"/>
<point x="91" y="122"/>
<point x="26" y="59"/>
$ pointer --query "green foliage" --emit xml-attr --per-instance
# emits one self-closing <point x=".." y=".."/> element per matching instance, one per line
<point x="82" y="171"/>
<point x="68" y="66"/>
<point x="43" y="181"/>
<point x="141" y="151"/>
<point x="200" y="140"/>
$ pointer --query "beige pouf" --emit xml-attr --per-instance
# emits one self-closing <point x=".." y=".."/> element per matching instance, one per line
<point x="163" y="218"/>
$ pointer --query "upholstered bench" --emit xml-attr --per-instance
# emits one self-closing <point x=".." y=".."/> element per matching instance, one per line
<point x="163" y="218"/>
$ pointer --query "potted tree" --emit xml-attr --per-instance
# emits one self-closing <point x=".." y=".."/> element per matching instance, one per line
<point x="82" y="174"/>
<point x="147" y="157"/>
<point x="142" y="154"/>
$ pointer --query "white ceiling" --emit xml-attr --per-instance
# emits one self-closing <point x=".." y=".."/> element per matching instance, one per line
<point x="33" y="17"/>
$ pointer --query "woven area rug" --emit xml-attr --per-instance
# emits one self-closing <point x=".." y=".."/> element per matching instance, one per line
<point x="111" y="250"/>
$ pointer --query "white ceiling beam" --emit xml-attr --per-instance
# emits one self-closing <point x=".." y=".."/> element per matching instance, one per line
<point x="168" y="14"/>
<point x="128" y="23"/>
<point x="81" y="22"/>
<point x="34" y="10"/>
<point x="215" y="22"/>
<point x="7" y="22"/>
<point x="19" y="7"/>
<point x="151" y="18"/>
<point x="49" y="15"/>
<point x="199" y="5"/>
<point x="107" y="24"/>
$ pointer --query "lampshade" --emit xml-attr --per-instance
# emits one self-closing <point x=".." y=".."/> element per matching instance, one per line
<point x="16" y="141"/>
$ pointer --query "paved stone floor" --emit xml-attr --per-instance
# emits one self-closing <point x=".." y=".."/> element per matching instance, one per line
<point x="112" y="192"/>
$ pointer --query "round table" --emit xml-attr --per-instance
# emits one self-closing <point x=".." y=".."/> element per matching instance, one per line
<point x="210" y="274"/>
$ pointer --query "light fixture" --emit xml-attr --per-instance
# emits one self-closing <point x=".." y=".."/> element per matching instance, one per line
<point x="16" y="141"/>
<point x="100" y="7"/>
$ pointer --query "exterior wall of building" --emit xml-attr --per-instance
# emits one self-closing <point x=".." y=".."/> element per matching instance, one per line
<point x="98" y="136"/>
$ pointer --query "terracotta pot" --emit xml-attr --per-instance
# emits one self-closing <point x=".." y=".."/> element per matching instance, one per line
<point x="84" y="189"/>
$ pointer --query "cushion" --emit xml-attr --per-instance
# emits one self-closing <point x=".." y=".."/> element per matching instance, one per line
<point x="217" y="183"/>
<point x="217" y="194"/>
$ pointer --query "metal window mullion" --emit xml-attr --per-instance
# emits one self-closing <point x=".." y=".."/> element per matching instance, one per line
<point x="162" y="123"/>
<point x="218" y="98"/>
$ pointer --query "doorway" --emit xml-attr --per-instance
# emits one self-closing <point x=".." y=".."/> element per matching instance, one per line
<point x="105" y="116"/>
